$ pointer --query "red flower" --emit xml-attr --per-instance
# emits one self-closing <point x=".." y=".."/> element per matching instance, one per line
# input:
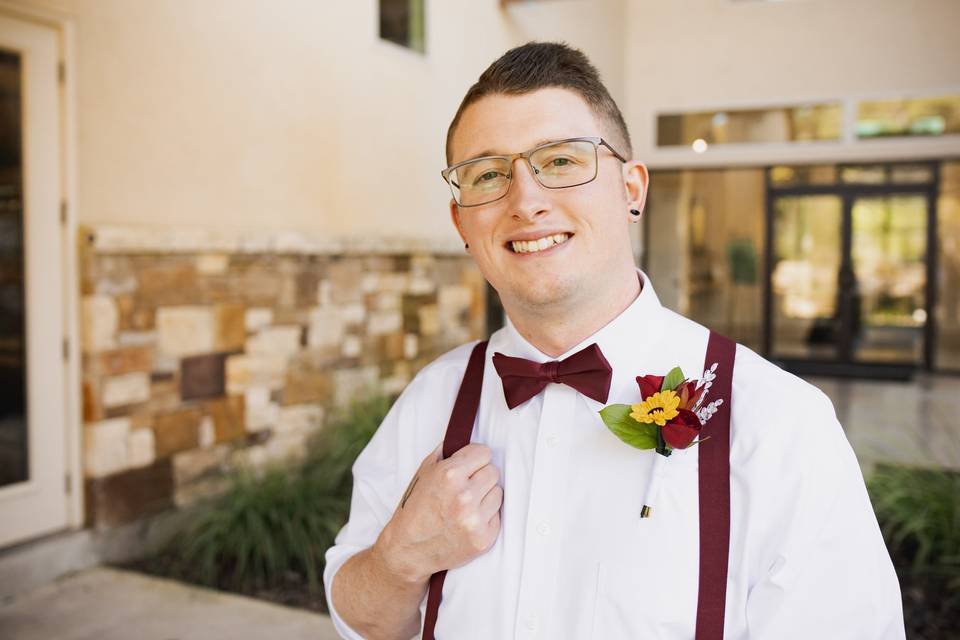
<point x="649" y="385"/>
<point x="682" y="430"/>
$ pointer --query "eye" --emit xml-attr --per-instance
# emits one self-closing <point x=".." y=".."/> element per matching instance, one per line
<point x="486" y="177"/>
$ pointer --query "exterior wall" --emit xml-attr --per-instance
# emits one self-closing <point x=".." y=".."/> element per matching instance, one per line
<point x="252" y="114"/>
<point x="201" y="354"/>
<point x="705" y="54"/>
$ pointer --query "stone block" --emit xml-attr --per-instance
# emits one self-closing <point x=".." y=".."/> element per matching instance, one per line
<point x="229" y="423"/>
<point x="244" y="371"/>
<point x="257" y="318"/>
<point x="353" y="313"/>
<point x="275" y="341"/>
<point x="300" y="419"/>
<point x="141" y="450"/>
<point x="304" y="384"/>
<point x="383" y="322"/>
<point x="186" y="330"/>
<point x="203" y="376"/>
<point x="259" y="409"/>
<point x="345" y="276"/>
<point x="99" y="323"/>
<point x="351" y="347"/>
<point x="326" y="327"/>
<point x="128" y="496"/>
<point x="177" y="431"/>
<point x="352" y="384"/>
<point x="190" y="466"/>
<point x="208" y="432"/>
<point x="231" y="327"/>
<point x="410" y="345"/>
<point x="212" y="263"/>
<point x="123" y="360"/>
<point x="169" y="282"/>
<point x="105" y="447"/>
<point x="126" y="389"/>
<point x="428" y="317"/>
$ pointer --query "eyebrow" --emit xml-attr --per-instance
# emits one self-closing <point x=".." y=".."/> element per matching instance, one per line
<point x="492" y="152"/>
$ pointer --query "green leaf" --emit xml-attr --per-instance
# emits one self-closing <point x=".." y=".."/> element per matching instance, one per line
<point x="672" y="380"/>
<point x="636" y="434"/>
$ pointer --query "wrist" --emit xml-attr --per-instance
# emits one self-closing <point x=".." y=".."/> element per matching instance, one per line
<point x="394" y="561"/>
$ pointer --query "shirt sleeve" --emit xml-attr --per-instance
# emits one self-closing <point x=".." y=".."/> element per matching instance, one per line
<point x="825" y="571"/>
<point x="375" y="474"/>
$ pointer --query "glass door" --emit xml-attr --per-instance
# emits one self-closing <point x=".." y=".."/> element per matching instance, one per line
<point x="848" y="279"/>
<point x="888" y="296"/>
<point x="33" y="498"/>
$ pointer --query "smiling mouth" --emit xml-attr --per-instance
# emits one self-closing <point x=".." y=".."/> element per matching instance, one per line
<point x="541" y="244"/>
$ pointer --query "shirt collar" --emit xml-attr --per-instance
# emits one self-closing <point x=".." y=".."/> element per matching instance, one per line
<point x="625" y="341"/>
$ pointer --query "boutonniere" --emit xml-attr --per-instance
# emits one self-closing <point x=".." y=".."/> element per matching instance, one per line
<point x="670" y="415"/>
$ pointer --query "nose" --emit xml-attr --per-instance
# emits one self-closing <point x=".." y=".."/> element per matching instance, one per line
<point x="527" y="197"/>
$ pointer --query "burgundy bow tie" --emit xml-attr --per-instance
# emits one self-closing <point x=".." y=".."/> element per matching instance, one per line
<point x="587" y="371"/>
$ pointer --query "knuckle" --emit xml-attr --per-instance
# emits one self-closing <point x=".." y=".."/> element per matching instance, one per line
<point x="463" y="498"/>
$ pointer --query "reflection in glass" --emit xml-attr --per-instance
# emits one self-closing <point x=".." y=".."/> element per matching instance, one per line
<point x="804" y="278"/>
<point x="705" y="239"/>
<point x="783" y="124"/>
<point x="402" y="22"/>
<point x="13" y="425"/>
<point x="947" y="354"/>
<point x="908" y="117"/>
<point x="888" y="249"/>
<point x="803" y="175"/>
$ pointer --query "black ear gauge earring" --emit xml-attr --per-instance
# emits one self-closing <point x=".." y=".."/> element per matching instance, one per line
<point x="635" y="212"/>
<point x="466" y="246"/>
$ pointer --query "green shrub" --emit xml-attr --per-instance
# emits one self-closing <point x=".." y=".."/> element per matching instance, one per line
<point x="919" y="513"/>
<point x="270" y="527"/>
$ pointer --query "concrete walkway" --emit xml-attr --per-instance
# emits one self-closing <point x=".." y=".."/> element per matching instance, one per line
<point x="108" y="604"/>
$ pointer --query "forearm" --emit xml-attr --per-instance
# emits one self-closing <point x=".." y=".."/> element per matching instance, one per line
<point x="377" y="600"/>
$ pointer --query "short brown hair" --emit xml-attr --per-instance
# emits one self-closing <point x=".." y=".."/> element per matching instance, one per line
<point x="538" y="65"/>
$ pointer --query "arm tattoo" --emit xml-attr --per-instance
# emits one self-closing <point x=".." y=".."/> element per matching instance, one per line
<point x="409" y="490"/>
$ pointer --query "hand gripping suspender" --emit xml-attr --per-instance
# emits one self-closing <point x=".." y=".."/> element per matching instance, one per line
<point x="714" y="464"/>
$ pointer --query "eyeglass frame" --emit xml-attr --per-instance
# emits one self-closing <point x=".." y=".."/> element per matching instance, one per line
<point x="597" y="141"/>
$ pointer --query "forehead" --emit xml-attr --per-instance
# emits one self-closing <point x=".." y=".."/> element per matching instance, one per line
<point x="501" y="124"/>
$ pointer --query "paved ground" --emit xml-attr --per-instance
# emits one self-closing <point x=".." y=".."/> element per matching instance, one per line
<point x="915" y="423"/>
<point x="107" y="604"/>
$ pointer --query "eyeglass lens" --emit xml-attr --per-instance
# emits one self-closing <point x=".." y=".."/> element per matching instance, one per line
<point x="558" y="165"/>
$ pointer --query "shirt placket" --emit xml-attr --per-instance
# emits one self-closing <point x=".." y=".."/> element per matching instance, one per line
<point x="541" y="552"/>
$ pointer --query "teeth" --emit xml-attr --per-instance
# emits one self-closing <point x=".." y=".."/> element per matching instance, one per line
<point x="530" y="246"/>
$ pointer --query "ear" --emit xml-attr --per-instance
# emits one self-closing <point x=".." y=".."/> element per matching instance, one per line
<point x="455" y="217"/>
<point x="637" y="180"/>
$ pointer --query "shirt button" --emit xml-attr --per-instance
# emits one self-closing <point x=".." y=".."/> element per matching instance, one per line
<point x="543" y="528"/>
<point x="531" y="623"/>
<point x="551" y="441"/>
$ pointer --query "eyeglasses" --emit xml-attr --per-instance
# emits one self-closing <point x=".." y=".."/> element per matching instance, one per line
<point x="556" y="165"/>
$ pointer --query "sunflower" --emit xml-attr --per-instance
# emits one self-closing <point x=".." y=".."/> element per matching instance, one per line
<point x="659" y="407"/>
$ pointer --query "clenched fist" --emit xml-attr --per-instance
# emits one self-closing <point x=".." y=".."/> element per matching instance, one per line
<point x="449" y="514"/>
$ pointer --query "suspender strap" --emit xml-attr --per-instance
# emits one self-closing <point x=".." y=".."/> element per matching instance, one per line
<point x="714" y="463"/>
<point x="459" y="430"/>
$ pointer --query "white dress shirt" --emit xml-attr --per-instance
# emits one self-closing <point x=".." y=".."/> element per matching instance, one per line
<point x="574" y="560"/>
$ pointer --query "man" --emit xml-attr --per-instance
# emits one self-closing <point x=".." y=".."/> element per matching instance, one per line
<point x="536" y="521"/>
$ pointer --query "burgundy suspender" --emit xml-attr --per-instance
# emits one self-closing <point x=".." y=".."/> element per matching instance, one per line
<point x="458" y="434"/>
<point x="714" y="464"/>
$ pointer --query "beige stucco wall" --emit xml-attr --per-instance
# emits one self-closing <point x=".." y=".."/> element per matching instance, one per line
<point x="705" y="54"/>
<point x="293" y="114"/>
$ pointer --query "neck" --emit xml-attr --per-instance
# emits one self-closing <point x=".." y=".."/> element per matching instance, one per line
<point x="555" y="330"/>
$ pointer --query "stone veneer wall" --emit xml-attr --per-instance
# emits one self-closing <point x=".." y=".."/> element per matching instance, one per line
<point x="202" y="353"/>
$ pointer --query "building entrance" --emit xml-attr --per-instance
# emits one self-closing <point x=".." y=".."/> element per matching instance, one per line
<point x="850" y="271"/>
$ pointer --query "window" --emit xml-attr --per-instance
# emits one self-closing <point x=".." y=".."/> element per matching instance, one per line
<point x="783" y="124"/>
<point x="908" y="117"/>
<point x="402" y="22"/>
